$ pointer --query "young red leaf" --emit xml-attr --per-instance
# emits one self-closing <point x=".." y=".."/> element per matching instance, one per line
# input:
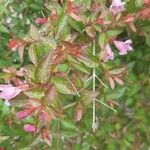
<point x="79" y="112"/>
<point x="111" y="82"/>
<point x="43" y="69"/>
<point x="117" y="79"/>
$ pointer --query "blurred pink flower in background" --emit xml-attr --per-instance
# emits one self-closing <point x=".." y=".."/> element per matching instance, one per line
<point x="41" y="20"/>
<point x="22" y="114"/>
<point x="26" y="112"/>
<point x="14" y="44"/>
<point x="147" y="2"/>
<point x="123" y="47"/>
<point x="117" y="6"/>
<point x="29" y="128"/>
<point x="109" y="54"/>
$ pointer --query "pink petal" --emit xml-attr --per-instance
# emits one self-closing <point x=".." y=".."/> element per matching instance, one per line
<point x="29" y="128"/>
<point x="22" y="114"/>
<point x="109" y="54"/>
<point x="123" y="47"/>
<point x="117" y="6"/>
<point x="8" y="91"/>
<point x="41" y="20"/>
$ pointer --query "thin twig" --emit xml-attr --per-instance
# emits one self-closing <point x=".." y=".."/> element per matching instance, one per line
<point x="106" y="105"/>
<point x="43" y="14"/>
<point x="73" y="86"/>
<point x="101" y="82"/>
<point x="70" y="105"/>
<point x="88" y="79"/>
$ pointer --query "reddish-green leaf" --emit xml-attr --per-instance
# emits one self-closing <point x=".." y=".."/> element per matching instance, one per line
<point x="32" y="54"/>
<point x="63" y="85"/>
<point x="111" y="82"/>
<point x="43" y="68"/>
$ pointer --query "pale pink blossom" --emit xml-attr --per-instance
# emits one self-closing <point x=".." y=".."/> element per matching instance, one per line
<point x="8" y="92"/>
<point x="109" y="54"/>
<point x="41" y="20"/>
<point x="123" y="47"/>
<point x="117" y="6"/>
<point x="29" y="128"/>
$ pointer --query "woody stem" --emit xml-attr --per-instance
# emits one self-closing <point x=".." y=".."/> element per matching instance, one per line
<point x="94" y="108"/>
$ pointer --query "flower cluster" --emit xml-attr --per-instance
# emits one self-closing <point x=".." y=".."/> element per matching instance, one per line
<point x="123" y="48"/>
<point x="117" y="6"/>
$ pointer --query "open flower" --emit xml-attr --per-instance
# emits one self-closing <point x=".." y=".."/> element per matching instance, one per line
<point x="109" y="55"/>
<point x="8" y="92"/>
<point x="123" y="47"/>
<point x="29" y="128"/>
<point x="117" y="6"/>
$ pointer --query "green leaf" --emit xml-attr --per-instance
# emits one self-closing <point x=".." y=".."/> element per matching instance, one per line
<point x="76" y="25"/>
<point x="63" y="67"/>
<point x="68" y="124"/>
<point x="3" y="29"/>
<point x="21" y="52"/>
<point x="87" y="3"/>
<point x="87" y="97"/>
<point x="43" y="68"/>
<point x="81" y="67"/>
<point x="19" y="101"/>
<point x="48" y="42"/>
<point x="114" y="32"/>
<point x="35" y="93"/>
<point x="62" y="22"/>
<point x="90" y="31"/>
<point x="102" y="40"/>
<point x="139" y="3"/>
<point x="89" y="62"/>
<point x="33" y="32"/>
<point x="5" y="110"/>
<point x="63" y="85"/>
<point x="32" y="54"/>
<point x="36" y="141"/>
<point x="148" y="39"/>
<point x="50" y="94"/>
<point x="117" y="93"/>
<point x="118" y="70"/>
<point x="30" y="71"/>
<point x="25" y="148"/>
<point x="3" y="138"/>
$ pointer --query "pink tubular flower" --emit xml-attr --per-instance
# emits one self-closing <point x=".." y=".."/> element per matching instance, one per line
<point x="22" y="114"/>
<point x="25" y="113"/>
<point x="8" y="92"/>
<point x="117" y="6"/>
<point x="123" y="47"/>
<point x="41" y="20"/>
<point x="29" y="128"/>
<point x="109" y="53"/>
